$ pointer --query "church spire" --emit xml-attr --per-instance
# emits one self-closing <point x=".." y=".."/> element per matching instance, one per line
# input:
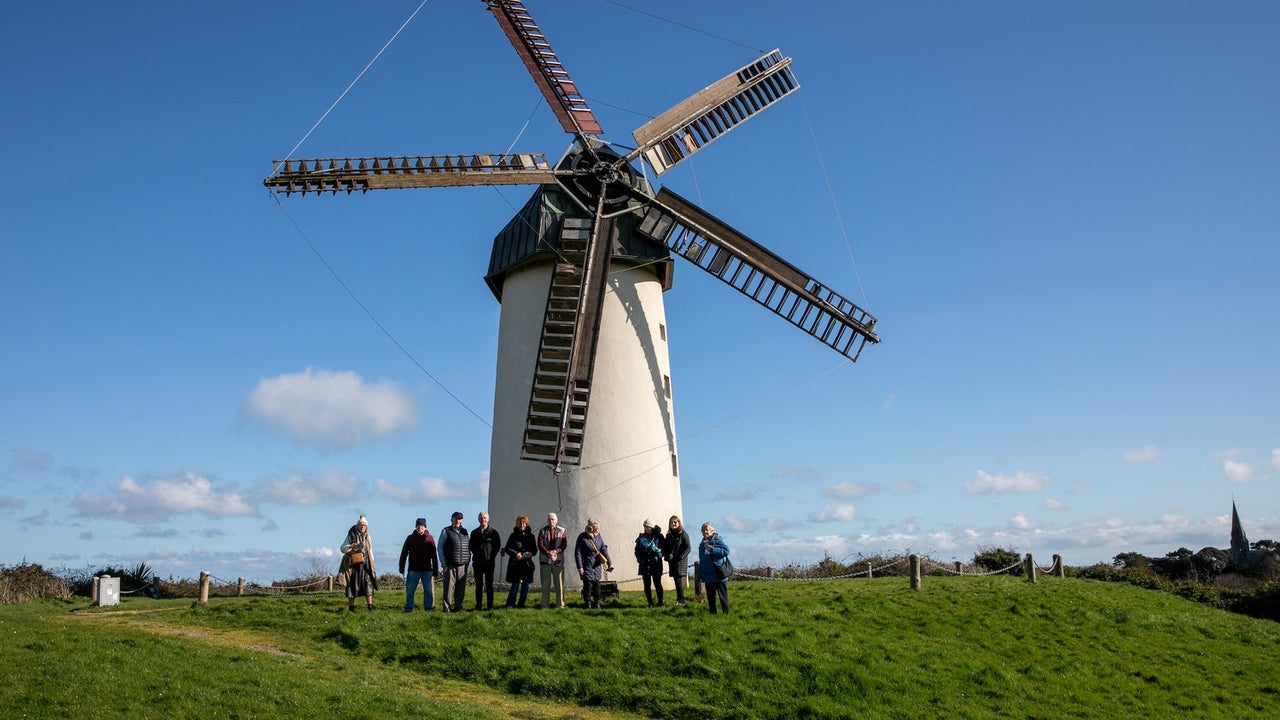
<point x="1239" y="543"/>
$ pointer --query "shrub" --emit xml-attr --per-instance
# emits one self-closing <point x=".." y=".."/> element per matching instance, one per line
<point x="1100" y="571"/>
<point x="1262" y="602"/>
<point x="28" y="581"/>
<point x="992" y="559"/>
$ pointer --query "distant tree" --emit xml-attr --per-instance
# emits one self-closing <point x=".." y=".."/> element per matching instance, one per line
<point x="1271" y="545"/>
<point x="1209" y="563"/>
<point x="1175" y="565"/>
<point x="1131" y="560"/>
<point x="991" y="558"/>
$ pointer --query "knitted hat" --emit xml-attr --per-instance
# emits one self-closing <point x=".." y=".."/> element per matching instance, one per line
<point x="362" y="520"/>
<point x="422" y="522"/>
<point x="456" y="515"/>
<point x="648" y="525"/>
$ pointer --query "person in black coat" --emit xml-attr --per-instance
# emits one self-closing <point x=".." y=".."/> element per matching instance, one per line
<point x="649" y="558"/>
<point x="418" y="563"/>
<point x="676" y="549"/>
<point x="485" y="544"/>
<point x="522" y="552"/>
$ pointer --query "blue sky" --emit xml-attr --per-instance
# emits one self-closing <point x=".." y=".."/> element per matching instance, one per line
<point x="1065" y="218"/>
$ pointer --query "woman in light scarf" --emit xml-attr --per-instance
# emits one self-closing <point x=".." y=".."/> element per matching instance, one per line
<point x="357" y="572"/>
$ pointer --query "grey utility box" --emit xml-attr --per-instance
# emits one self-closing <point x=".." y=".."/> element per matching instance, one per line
<point x="108" y="590"/>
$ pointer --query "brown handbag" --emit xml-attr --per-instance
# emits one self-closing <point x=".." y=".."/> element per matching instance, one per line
<point x="357" y="558"/>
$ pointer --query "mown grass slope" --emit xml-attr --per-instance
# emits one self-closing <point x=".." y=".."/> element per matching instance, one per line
<point x="966" y="647"/>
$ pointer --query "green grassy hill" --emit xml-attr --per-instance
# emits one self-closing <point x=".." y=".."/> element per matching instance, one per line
<point x="962" y="647"/>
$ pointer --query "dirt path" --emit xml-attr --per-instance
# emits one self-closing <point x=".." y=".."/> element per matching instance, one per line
<point x="494" y="701"/>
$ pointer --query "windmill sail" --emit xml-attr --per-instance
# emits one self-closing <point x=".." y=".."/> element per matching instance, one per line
<point x="552" y="79"/>
<point x="685" y="129"/>
<point x="758" y="273"/>
<point x="333" y="175"/>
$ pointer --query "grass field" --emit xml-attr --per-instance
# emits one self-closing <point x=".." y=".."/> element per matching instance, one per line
<point x="962" y="647"/>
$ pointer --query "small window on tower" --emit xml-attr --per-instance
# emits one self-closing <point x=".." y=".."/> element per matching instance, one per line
<point x="666" y="385"/>
<point x="662" y="331"/>
<point x="675" y="469"/>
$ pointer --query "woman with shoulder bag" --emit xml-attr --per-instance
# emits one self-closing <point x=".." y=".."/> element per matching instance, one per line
<point x="713" y="553"/>
<point x="357" y="565"/>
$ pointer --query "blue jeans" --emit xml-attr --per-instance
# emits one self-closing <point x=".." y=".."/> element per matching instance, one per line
<point x="520" y="589"/>
<point x="411" y="580"/>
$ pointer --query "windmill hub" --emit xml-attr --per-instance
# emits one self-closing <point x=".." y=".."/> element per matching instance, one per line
<point x="602" y="172"/>
<point x="606" y="173"/>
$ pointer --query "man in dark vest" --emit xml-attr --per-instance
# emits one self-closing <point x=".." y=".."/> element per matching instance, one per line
<point x="455" y="554"/>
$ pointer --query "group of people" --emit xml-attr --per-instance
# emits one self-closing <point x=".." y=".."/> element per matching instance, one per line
<point x="422" y="557"/>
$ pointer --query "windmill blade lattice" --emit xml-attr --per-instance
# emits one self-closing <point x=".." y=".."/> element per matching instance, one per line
<point x="758" y="273"/>
<point x="678" y="133"/>
<point x="333" y="175"/>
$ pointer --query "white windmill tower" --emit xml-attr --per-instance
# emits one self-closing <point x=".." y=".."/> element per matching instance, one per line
<point x="583" y="421"/>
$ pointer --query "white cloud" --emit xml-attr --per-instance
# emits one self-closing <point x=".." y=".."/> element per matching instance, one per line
<point x="1054" y="504"/>
<point x="30" y="461"/>
<point x="157" y="500"/>
<point x="782" y="550"/>
<point x="906" y="487"/>
<point x="432" y="489"/>
<point x="323" y="488"/>
<point x="733" y="523"/>
<point x="1237" y="472"/>
<point x="155" y="531"/>
<point x="1275" y="458"/>
<point x="1020" y="521"/>
<point x="1020" y="482"/>
<point x="38" y="462"/>
<point x="330" y="410"/>
<point x="840" y="512"/>
<point x="1146" y="454"/>
<point x="849" y="490"/>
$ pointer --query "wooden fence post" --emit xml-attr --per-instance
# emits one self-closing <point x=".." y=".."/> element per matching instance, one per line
<point x="915" y="571"/>
<point x="1057" y="568"/>
<point x="1029" y="567"/>
<point x="93" y="593"/>
<point x="204" y="588"/>
<point x="239" y="587"/>
<point x="869" y="571"/>
<point x="328" y="585"/>
<point x="959" y="568"/>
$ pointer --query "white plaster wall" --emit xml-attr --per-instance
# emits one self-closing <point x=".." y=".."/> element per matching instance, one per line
<point x="627" y="473"/>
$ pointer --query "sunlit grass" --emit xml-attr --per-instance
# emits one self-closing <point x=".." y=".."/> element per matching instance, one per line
<point x="971" y="647"/>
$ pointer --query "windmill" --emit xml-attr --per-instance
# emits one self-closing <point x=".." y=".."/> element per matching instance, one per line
<point x="583" y="421"/>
